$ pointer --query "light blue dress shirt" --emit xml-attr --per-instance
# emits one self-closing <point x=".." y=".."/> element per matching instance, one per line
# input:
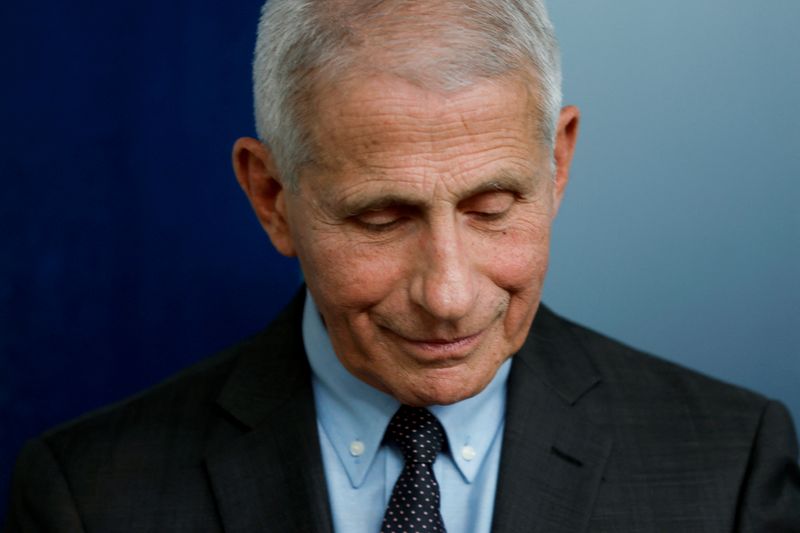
<point x="352" y="418"/>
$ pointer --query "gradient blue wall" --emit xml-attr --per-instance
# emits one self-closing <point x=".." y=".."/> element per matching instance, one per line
<point x="680" y="232"/>
<point x="127" y="251"/>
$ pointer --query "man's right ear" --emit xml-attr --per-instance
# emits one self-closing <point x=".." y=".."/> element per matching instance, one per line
<point x="258" y="176"/>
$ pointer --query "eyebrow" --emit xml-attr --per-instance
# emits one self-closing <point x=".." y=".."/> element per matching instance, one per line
<point x="380" y="203"/>
<point x="503" y="182"/>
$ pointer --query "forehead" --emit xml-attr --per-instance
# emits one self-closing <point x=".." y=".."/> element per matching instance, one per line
<point x="382" y="128"/>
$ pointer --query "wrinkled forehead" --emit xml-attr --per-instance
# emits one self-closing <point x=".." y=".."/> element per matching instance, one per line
<point x="382" y="121"/>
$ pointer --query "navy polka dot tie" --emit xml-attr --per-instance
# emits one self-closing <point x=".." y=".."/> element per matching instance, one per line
<point x="414" y="505"/>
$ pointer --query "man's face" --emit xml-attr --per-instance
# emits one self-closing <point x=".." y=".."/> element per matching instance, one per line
<point x="423" y="232"/>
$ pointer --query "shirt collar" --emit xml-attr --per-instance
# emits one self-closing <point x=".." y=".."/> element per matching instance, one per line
<point x="354" y="415"/>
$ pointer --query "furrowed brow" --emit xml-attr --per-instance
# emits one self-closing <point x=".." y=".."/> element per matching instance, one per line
<point x="513" y="183"/>
<point x="364" y="205"/>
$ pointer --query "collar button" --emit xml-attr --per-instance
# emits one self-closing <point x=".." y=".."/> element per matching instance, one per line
<point x="356" y="448"/>
<point x="468" y="453"/>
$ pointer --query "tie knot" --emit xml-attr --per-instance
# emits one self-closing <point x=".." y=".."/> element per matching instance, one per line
<point x="417" y="433"/>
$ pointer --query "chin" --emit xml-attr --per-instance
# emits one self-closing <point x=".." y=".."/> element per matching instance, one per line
<point x="438" y="391"/>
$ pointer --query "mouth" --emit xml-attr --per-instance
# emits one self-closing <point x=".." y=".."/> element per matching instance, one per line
<point x="441" y="350"/>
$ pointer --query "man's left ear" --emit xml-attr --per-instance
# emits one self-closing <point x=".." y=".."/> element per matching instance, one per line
<point x="566" y="136"/>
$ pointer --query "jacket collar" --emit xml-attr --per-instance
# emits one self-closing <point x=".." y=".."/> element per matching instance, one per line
<point x="271" y="478"/>
<point x="553" y="456"/>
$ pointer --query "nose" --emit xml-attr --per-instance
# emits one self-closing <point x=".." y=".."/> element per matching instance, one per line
<point x="445" y="283"/>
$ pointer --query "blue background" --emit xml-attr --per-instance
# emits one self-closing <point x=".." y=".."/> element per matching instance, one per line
<point x="127" y="250"/>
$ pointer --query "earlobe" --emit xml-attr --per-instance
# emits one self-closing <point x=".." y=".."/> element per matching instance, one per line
<point x="564" y="148"/>
<point x="258" y="177"/>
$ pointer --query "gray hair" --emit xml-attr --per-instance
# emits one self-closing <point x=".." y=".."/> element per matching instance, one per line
<point x="441" y="44"/>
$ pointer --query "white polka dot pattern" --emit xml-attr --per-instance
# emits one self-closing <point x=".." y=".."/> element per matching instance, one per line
<point x="414" y="505"/>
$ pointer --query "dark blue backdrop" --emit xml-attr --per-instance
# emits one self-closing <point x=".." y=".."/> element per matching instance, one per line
<point x="128" y="250"/>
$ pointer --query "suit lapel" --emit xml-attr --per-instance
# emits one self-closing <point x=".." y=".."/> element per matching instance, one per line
<point x="553" y="456"/>
<point x="271" y="478"/>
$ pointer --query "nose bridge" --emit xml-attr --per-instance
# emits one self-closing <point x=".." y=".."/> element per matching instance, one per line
<point x="445" y="285"/>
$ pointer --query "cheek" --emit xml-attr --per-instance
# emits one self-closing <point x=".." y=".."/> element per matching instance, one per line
<point x="517" y="260"/>
<point x="518" y="267"/>
<point x="354" y="276"/>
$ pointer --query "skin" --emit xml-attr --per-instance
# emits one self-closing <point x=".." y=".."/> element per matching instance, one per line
<point x="422" y="228"/>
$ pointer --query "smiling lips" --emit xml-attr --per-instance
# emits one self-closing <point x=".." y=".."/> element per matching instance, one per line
<point x="443" y="348"/>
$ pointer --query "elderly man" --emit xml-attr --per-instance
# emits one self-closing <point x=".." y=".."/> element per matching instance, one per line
<point x="413" y="155"/>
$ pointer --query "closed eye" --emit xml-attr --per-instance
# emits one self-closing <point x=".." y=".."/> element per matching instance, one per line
<point x="489" y="206"/>
<point x="488" y="217"/>
<point x="379" y="220"/>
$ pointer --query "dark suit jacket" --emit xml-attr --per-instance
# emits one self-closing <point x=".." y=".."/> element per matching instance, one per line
<point x="598" y="437"/>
